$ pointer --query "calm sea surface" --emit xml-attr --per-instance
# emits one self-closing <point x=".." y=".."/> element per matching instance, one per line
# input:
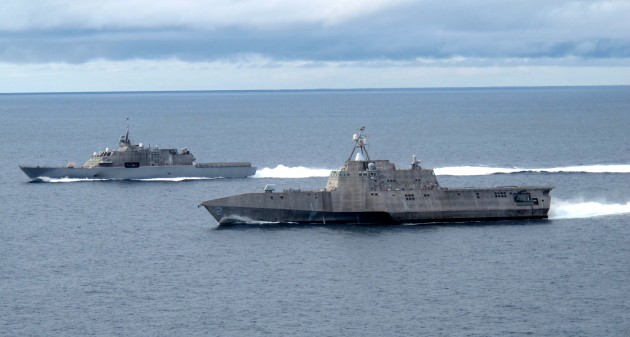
<point x="138" y="258"/>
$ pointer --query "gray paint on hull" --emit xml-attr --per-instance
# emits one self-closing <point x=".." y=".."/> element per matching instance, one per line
<point x="252" y="215"/>
<point x="143" y="172"/>
<point x="375" y="191"/>
<point x="350" y="201"/>
<point x="228" y="215"/>
<point x="410" y="206"/>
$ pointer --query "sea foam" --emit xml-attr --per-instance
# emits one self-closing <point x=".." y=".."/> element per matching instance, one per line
<point x="563" y="209"/>
<point x="486" y="170"/>
<point x="282" y="171"/>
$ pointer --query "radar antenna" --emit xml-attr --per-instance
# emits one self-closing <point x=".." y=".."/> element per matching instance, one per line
<point x="360" y="142"/>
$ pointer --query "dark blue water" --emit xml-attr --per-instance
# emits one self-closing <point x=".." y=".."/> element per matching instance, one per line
<point x="138" y="258"/>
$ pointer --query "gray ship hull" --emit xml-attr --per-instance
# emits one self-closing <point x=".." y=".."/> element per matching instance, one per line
<point x="253" y="216"/>
<point x="394" y="207"/>
<point x="223" y="170"/>
<point x="366" y="191"/>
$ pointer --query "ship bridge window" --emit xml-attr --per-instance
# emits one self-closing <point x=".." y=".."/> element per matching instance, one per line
<point x="522" y="197"/>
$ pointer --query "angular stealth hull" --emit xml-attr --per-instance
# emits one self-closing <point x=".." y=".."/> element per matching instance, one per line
<point x="225" y="170"/>
<point x="369" y="191"/>
<point x="392" y="207"/>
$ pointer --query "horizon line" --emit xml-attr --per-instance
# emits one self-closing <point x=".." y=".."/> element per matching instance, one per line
<point x="311" y="90"/>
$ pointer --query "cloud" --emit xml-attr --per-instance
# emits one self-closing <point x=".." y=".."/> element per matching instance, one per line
<point x="327" y="35"/>
<point x="199" y="14"/>
<point x="70" y="31"/>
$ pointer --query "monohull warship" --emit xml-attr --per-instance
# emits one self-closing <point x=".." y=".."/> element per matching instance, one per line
<point x="374" y="191"/>
<point x="136" y="161"/>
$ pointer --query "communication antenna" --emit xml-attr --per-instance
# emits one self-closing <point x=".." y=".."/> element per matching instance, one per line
<point x="124" y="140"/>
<point x="360" y="142"/>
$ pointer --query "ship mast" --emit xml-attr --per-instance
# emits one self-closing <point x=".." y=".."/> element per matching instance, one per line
<point x="124" y="140"/>
<point x="360" y="142"/>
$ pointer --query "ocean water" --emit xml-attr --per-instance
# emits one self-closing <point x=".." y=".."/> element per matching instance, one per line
<point x="139" y="258"/>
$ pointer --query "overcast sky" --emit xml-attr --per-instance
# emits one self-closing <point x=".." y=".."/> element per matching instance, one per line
<point x="122" y="45"/>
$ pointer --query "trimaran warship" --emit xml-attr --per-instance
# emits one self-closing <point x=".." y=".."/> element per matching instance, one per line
<point x="136" y="161"/>
<point x="368" y="191"/>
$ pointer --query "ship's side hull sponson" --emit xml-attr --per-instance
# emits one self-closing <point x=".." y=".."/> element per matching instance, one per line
<point x="143" y="172"/>
<point x="460" y="216"/>
<point x="225" y="215"/>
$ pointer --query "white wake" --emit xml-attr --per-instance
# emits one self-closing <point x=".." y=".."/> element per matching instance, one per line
<point x="562" y="209"/>
<point x="177" y="179"/>
<point x="485" y="170"/>
<point x="282" y="171"/>
<point x="67" y="180"/>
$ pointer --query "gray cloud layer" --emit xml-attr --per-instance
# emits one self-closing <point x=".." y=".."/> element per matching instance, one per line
<point x="62" y="31"/>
